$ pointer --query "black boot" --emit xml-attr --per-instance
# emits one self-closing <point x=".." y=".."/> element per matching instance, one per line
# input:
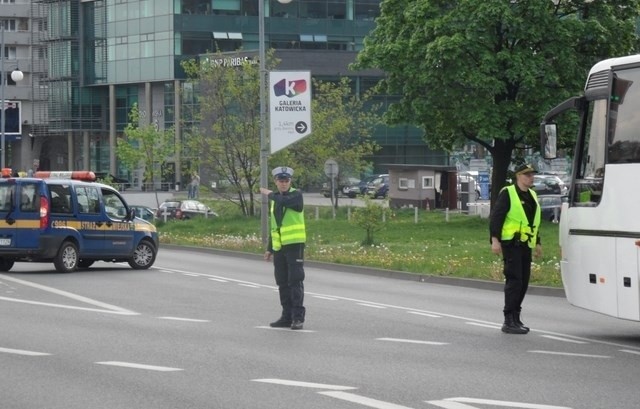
<point x="282" y="322"/>
<point x="510" y="326"/>
<point x="516" y="316"/>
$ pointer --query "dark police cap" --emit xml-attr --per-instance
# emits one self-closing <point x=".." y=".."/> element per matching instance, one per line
<point x="282" y="172"/>
<point x="524" y="169"/>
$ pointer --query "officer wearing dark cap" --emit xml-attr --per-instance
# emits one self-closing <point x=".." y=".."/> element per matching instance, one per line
<point x="514" y="228"/>
<point x="286" y="245"/>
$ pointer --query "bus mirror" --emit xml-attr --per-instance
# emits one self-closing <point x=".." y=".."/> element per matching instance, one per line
<point x="548" y="139"/>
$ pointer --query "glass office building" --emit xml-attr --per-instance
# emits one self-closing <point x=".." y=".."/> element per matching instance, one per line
<point x="106" y="55"/>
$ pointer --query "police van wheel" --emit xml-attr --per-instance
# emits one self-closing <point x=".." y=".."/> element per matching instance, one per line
<point x="66" y="260"/>
<point x="5" y="265"/>
<point x="143" y="256"/>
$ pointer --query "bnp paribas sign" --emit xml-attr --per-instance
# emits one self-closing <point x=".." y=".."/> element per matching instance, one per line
<point x="289" y="107"/>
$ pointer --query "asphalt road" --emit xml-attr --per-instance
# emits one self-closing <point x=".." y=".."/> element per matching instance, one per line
<point x="193" y="333"/>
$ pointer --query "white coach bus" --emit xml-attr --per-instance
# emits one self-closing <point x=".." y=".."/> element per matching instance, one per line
<point x="600" y="222"/>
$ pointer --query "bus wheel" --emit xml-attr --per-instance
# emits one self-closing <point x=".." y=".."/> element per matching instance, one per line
<point x="143" y="256"/>
<point x="66" y="260"/>
<point x="85" y="263"/>
<point x="5" y="265"/>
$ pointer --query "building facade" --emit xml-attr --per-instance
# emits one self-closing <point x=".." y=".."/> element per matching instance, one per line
<point x="104" y="56"/>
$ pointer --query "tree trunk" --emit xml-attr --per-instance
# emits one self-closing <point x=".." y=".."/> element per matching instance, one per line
<point x="501" y="154"/>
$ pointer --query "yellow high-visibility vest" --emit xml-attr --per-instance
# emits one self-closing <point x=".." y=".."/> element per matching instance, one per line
<point x="516" y="220"/>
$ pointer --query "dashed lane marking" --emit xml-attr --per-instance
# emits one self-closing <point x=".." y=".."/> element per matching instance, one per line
<point x="628" y="351"/>
<point x="424" y="314"/>
<point x="412" y="341"/>
<point x="573" y="341"/>
<point x="522" y="405"/>
<point x="568" y="354"/>
<point x="312" y="385"/>
<point x="382" y="307"/>
<point x="322" y="297"/>
<point x="362" y="400"/>
<point x="22" y="352"/>
<point x="183" y="319"/>
<point x="140" y="366"/>
<point x="248" y="285"/>
<point x="479" y="324"/>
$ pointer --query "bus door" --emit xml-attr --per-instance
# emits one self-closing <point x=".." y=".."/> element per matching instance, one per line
<point x="119" y="233"/>
<point x="627" y="254"/>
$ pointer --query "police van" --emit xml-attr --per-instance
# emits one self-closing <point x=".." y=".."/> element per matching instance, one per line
<point x="69" y="219"/>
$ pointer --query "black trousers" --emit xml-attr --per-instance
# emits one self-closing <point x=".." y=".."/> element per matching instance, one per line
<point x="288" y="265"/>
<point x="517" y="271"/>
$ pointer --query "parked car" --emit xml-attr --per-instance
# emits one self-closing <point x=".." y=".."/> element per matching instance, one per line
<point x="549" y="184"/>
<point x="344" y="187"/>
<point x="144" y="212"/>
<point x="184" y="209"/>
<point x="550" y="207"/>
<point x="379" y="187"/>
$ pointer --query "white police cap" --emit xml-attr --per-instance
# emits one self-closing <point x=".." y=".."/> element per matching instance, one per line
<point x="282" y="172"/>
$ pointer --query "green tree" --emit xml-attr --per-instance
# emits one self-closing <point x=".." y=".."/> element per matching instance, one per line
<point x="145" y="145"/>
<point x="487" y="71"/>
<point x="369" y="218"/>
<point x="229" y="141"/>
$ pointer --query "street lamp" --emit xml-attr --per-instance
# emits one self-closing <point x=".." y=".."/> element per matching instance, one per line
<point x="264" y="142"/>
<point x="16" y="75"/>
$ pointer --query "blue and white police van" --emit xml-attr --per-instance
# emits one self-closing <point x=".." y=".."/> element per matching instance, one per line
<point x="69" y="219"/>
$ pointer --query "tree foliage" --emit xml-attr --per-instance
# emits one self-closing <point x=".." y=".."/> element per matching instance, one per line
<point x="370" y="219"/>
<point x="144" y="145"/>
<point x="229" y="139"/>
<point x="487" y="71"/>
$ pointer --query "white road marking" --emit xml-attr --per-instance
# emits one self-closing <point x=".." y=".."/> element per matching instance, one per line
<point x="76" y="297"/>
<point x="424" y="314"/>
<point x="22" y="352"/>
<point x="218" y="280"/>
<point x="574" y="341"/>
<point x="249" y="285"/>
<point x="412" y="341"/>
<point x="69" y="307"/>
<point x="362" y="400"/>
<point x="372" y="305"/>
<point x="522" y="405"/>
<point x="140" y="366"/>
<point x="479" y="324"/>
<point x="183" y="319"/>
<point x="283" y="329"/>
<point x="472" y="321"/>
<point x="568" y="354"/>
<point x="191" y="274"/>
<point x="325" y="298"/>
<point x="630" y="351"/>
<point x="450" y="404"/>
<point x="304" y="384"/>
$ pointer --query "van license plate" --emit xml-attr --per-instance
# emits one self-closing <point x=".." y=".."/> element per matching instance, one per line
<point x="5" y="242"/>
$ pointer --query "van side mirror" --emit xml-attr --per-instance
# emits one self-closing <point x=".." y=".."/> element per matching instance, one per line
<point x="132" y="214"/>
<point x="549" y="140"/>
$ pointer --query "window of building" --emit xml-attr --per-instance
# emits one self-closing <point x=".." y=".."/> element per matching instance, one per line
<point x="223" y="8"/>
<point x="8" y="1"/>
<point x="9" y="25"/>
<point x="366" y="9"/>
<point x="427" y="182"/>
<point x="313" y="9"/>
<point x="9" y="53"/>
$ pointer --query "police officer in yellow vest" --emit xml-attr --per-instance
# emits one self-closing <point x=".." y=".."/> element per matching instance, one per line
<point x="286" y="244"/>
<point x="514" y="224"/>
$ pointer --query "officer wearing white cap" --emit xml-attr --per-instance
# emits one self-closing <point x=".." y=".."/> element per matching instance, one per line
<point x="514" y="228"/>
<point x="286" y="245"/>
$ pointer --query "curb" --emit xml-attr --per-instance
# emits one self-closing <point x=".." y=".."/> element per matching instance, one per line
<point x="377" y="272"/>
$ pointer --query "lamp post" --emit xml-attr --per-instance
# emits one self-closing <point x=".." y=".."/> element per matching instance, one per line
<point x="16" y="75"/>
<point x="264" y="141"/>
